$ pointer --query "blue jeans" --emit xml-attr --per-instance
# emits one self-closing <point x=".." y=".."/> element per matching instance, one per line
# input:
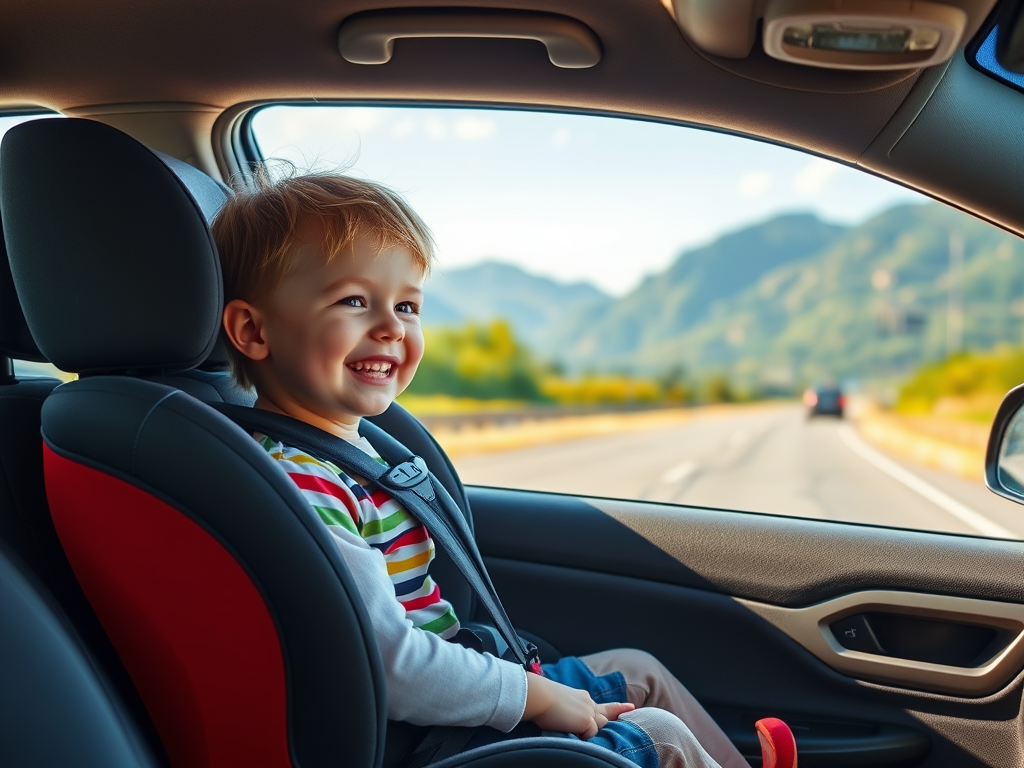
<point x="622" y="737"/>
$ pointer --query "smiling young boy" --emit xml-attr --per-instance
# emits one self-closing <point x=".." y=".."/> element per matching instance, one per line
<point x="323" y="278"/>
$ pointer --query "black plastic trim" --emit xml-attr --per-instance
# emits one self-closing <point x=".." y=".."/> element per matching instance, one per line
<point x="248" y="146"/>
<point x="1011" y="404"/>
<point x="540" y="752"/>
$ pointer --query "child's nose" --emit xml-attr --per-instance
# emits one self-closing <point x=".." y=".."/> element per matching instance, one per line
<point x="389" y="328"/>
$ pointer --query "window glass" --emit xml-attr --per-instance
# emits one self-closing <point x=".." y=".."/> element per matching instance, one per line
<point x="24" y="368"/>
<point x="643" y="311"/>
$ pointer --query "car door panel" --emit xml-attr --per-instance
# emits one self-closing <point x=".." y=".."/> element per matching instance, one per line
<point x="780" y="560"/>
<point x="694" y="586"/>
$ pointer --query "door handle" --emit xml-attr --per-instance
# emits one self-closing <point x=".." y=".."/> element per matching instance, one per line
<point x="930" y="668"/>
<point x="368" y="37"/>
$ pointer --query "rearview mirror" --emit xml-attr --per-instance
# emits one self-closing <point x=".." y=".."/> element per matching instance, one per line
<point x="1004" y="458"/>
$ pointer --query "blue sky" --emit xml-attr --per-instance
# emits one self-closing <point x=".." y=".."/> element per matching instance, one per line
<point x="573" y="197"/>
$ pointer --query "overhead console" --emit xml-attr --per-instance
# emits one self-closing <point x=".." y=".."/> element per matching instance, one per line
<point x="834" y="34"/>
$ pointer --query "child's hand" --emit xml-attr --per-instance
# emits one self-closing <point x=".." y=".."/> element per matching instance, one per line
<point x="556" y="707"/>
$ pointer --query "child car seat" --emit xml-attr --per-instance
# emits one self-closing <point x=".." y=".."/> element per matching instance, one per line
<point x="221" y="590"/>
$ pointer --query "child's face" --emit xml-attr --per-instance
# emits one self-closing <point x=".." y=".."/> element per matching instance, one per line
<point x="344" y="338"/>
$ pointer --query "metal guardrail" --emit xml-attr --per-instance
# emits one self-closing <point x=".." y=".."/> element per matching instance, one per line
<point x="479" y="419"/>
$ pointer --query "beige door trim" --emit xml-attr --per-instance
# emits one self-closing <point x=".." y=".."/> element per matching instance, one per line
<point x="809" y="626"/>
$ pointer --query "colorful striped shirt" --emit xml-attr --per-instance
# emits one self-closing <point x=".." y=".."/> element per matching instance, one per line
<point x="382" y="522"/>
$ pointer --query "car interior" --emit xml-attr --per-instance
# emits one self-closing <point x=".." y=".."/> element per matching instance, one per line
<point x="147" y="622"/>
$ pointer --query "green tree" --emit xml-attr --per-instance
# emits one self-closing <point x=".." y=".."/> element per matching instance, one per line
<point x="718" y="389"/>
<point x="482" y="361"/>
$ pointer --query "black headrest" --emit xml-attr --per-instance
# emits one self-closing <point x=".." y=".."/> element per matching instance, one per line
<point x="109" y="248"/>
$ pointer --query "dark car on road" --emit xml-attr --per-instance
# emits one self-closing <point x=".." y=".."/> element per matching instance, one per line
<point x="824" y="401"/>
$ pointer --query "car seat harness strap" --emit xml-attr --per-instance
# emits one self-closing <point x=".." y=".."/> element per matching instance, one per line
<point x="407" y="479"/>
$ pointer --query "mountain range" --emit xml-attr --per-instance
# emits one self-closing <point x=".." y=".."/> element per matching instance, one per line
<point x="780" y="302"/>
<point x="494" y="290"/>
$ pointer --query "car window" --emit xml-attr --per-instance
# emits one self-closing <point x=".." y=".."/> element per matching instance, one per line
<point x="645" y="311"/>
<point x="23" y="368"/>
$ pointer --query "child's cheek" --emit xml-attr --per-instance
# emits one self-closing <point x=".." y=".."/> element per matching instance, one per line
<point x="335" y="341"/>
<point x="415" y="348"/>
<point x="408" y="369"/>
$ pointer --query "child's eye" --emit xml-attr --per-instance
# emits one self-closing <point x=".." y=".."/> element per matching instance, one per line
<point x="353" y="301"/>
<point x="407" y="307"/>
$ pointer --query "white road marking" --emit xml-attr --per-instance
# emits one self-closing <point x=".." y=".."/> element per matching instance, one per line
<point x="679" y="472"/>
<point x="965" y="514"/>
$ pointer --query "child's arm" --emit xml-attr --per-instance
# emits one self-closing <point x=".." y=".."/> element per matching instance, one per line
<point x="433" y="682"/>
<point x="556" y="707"/>
<point x="429" y="680"/>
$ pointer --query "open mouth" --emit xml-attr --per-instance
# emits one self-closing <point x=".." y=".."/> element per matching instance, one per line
<point x="373" y="370"/>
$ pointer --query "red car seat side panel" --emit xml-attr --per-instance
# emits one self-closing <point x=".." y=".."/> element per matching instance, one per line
<point x="198" y="641"/>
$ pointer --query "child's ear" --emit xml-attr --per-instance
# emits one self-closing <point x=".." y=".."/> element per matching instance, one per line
<point x="243" y="325"/>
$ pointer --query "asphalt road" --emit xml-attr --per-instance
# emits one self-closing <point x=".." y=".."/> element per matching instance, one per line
<point x="771" y="460"/>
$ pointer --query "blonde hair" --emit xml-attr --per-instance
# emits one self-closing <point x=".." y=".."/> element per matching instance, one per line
<point x="258" y="228"/>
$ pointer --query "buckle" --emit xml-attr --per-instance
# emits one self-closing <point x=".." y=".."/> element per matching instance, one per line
<point x="411" y="475"/>
<point x="407" y="474"/>
<point x="533" y="659"/>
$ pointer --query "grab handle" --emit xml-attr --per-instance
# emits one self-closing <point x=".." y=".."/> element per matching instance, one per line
<point x="368" y="38"/>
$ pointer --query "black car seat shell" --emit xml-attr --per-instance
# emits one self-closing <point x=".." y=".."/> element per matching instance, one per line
<point x="224" y="595"/>
<point x="54" y="708"/>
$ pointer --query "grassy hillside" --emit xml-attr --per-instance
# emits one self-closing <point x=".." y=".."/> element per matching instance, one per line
<point x="965" y="386"/>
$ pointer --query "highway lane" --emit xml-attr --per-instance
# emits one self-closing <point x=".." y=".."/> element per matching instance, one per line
<point x="770" y="459"/>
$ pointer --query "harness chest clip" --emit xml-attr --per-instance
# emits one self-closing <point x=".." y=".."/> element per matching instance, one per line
<point x="411" y="475"/>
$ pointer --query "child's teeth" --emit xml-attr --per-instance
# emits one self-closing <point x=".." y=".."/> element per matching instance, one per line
<point x="381" y="368"/>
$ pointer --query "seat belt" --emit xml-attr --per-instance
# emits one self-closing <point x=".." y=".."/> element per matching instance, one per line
<point x="408" y="480"/>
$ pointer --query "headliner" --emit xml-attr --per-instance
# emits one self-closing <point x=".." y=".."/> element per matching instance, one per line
<point x="66" y="55"/>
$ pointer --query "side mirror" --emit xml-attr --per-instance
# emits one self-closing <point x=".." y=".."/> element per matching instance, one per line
<point x="1004" y="458"/>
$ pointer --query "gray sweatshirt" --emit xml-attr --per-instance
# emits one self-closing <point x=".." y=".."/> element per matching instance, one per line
<point x="430" y="681"/>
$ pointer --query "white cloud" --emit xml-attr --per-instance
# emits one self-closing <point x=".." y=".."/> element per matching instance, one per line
<point x="436" y="129"/>
<point x="363" y="119"/>
<point x="293" y="128"/>
<point x="754" y="184"/>
<point x="561" y="138"/>
<point x="815" y="176"/>
<point x="475" y="128"/>
<point x="404" y="128"/>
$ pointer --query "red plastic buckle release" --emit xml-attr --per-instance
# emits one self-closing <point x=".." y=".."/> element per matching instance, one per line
<point x="535" y="668"/>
